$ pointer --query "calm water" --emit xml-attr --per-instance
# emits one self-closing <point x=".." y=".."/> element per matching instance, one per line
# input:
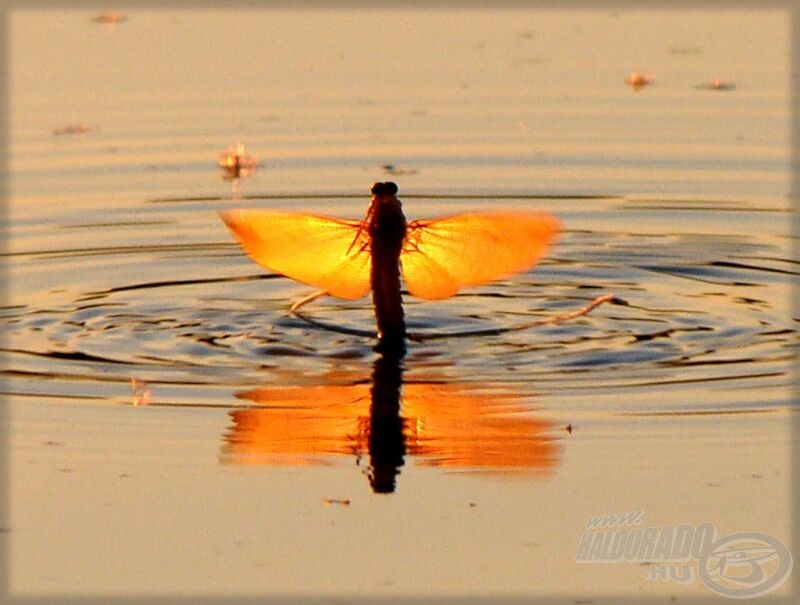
<point x="252" y="468"/>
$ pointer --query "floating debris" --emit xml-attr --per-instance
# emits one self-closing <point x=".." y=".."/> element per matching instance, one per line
<point x="638" y="80"/>
<point x="110" y="18"/>
<point x="79" y="128"/>
<point x="716" y="84"/>
<point x="141" y="392"/>
<point x="340" y="501"/>
<point x="398" y="170"/>
<point x="236" y="162"/>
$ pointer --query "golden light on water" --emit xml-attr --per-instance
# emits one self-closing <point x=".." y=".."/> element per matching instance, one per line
<point x="444" y="425"/>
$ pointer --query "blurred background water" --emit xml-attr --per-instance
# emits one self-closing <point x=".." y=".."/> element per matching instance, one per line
<point x="122" y="287"/>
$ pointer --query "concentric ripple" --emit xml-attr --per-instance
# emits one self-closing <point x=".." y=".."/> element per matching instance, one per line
<point x="195" y="317"/>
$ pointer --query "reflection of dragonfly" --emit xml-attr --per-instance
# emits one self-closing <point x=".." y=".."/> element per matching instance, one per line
<point x="442" y="425"/>
<point x="437" y="257"/>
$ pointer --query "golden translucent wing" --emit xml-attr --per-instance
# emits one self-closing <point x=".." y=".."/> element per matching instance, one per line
<point x="442" y="255"/>
<point x="331" y="254"/>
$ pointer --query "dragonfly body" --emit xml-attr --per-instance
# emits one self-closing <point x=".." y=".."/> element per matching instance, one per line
<point x="386" y="225"/>
<point x="436" y="257"/>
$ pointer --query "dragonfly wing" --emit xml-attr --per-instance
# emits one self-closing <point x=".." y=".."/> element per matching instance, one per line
<point x="331" y="254"/>
<point x="440" y="256"/>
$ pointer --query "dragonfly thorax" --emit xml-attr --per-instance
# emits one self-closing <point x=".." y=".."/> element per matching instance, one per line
<point x="386" y="222"/>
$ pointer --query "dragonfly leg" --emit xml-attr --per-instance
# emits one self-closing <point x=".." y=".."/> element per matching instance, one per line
<point x="305" y="300"/>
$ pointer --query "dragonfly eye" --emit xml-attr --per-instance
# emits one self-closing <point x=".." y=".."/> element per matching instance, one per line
<point x="387" y="188"/>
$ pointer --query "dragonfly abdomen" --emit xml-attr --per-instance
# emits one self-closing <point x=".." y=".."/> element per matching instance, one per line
<point x="387" y="231"/>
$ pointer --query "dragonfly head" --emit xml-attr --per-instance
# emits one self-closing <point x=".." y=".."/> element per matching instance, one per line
<point x="385" y="218"/>
<point x="387" y="188"/>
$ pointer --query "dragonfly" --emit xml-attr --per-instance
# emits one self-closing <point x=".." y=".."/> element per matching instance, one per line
<point x="436" y="257"/>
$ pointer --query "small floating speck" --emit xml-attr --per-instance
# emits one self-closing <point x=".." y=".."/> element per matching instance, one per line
<point x="79" y="128"/>
<point x="110" y="18"/>
<point x="141" y="392"/>
<point x="639" y="80"/>
<point x="398" y="170"/>
<point x="717" y="84"/>
<point x="339" y="501"/>
<point x="236" y="162"/>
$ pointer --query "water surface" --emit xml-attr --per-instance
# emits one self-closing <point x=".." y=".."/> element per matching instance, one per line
<point x="251" y="462"/>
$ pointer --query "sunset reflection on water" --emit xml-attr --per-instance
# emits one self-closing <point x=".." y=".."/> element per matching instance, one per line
<point x="383" y="423"/>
